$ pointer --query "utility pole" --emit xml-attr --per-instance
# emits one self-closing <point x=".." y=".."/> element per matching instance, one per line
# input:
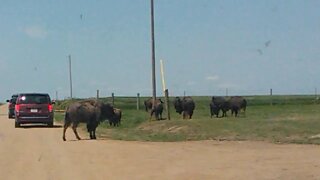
<point x="98" y="94"/>
<point x="153" y="56"/>
<point x="70" y="76"/>
<point x="56" y="95"/>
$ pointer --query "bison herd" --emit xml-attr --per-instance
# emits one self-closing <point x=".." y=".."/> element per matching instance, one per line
<point x="186" y="106"/>
<point x="234" y="103"/>
<point x="92" y="112"/>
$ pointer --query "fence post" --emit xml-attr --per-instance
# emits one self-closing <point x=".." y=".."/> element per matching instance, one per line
<point x="271" y="103"/>
<point x="138" y="101"/>
<point x="112" y="95"/>
<point x="166" y="93"/>
<point x="316" y="96"/>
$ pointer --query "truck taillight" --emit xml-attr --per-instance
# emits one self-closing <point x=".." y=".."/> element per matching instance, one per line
<point x="50" y="107"/>
<point x="17" y="107"/>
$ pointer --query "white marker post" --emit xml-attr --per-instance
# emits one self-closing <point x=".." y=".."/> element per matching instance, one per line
<point x="162" y="76"/>
<point x="165" y="91"/>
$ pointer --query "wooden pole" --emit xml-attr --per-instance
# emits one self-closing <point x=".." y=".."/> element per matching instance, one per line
<point x="112" y="95"/>
<point x="56" y="95"/>
<point x="153" y="56"/>
<point x="138" y="101"/>
<point x="97" y="93"/>
<point x="166" y="92"/>
<point x="70" y="76"/>
<point x="271" y="103"/>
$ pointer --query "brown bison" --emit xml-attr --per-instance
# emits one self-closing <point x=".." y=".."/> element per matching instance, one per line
<point x="236" y="103"/>
<point x="91" y="112"/>
<point x="148" y="104"/>
<point x="219" y="103"/>
<point x="185" y="106"/>
<point x="116" y="119"/>
<point x="158" y="108"/>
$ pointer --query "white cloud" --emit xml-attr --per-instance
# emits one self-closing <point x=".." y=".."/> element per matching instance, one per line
<point x="212" y="78"/>
<point x="36" y="32"/>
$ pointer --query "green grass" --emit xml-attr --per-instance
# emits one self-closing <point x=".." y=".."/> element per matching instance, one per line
<point x="291" y="119"/>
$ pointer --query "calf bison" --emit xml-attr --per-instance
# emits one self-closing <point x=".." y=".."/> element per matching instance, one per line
<point x="91" y="112"/>
<point x="185" y="106"/>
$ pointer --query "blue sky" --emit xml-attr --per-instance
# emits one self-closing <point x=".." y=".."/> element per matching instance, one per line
<point x="247" y="46"/>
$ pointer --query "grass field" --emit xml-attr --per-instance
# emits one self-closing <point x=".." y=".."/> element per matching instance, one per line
<point x="290" y="119"/>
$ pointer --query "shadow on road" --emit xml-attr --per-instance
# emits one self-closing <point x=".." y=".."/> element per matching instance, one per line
<point x="88" y="139"/>
<point x="39" y="126"/>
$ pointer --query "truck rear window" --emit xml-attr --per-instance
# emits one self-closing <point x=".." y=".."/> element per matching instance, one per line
<point x="34" y="99"/>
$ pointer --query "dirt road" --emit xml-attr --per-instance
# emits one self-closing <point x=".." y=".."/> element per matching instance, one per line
<point x="39" y="153"/>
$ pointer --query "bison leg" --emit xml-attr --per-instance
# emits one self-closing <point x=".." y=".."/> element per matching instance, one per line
<point x="93" y="126"/>
<point x="224" y="113"/>
<point x="117" y="122"/>
<point x="64" y="132"/>
<point x="93" y="133"/>
<point x="218" y="112"/>
<point x="74" y="128"/>
<point x="236" y="113"/>
<point x="151" y="114"/>
<point x="65" y="127"/>
<point x="190" y="115"/>
<point x="157" y="114"/>
<point x="89" y="128"/>
<point x="184" y="115"/>
<point x="67" y="123"/>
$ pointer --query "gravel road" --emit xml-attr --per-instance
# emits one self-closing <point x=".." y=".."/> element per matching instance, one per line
<point x="38" y="152"/>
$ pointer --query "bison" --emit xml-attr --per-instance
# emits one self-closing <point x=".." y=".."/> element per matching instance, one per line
<point x="157" y="110"/>
<point x="116" y="119"/>
<point x="236" y="103"/>
<point x="91" y="112"/>
<point x="219" y="103"/>
<point x="185" y="106"/>
<point x="148" y="104"/>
